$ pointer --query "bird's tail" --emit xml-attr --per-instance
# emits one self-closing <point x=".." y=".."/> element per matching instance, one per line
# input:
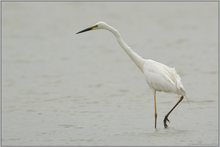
<point x="186" y="98"/>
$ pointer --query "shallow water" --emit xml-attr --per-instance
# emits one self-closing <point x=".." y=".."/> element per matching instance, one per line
<point x="65" y="89"/>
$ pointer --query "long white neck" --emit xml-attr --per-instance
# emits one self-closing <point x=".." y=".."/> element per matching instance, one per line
<point x="137" y="59"/>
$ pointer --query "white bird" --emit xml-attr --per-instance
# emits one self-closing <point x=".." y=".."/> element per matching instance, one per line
<point x="159" y="77"/>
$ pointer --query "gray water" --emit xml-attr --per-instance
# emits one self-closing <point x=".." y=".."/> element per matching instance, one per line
<point x="65" y="89"/>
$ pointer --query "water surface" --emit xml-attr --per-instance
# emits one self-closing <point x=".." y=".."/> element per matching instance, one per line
<point x="65" y="89"/>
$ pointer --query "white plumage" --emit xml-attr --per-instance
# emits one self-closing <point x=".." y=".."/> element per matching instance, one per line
<point x="162" y="78"/>
<point x="159" y="77"/>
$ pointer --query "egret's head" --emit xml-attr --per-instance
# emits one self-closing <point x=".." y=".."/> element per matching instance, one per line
<point x="98" y="25"/>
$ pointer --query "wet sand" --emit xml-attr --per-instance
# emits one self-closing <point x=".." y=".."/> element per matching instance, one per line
<point x="65" y="89"/>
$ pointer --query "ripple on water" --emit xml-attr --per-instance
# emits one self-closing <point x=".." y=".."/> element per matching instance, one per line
<point x="123" y="90"/>
<point x="95" y="85"/>
<point x="81" y="140"/>
<point x="201" y="102"/>
<point x="167" y="132"/>
<point x="14" y="139"/>
<point x="92" y="102"/>
<point x="67" y="125"/>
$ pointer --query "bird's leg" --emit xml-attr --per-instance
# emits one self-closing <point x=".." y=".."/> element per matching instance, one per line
<point x="155" y="110"/>
<point x="166" y="117"/>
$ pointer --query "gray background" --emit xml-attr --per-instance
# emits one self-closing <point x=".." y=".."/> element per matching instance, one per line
<point x="65" y="89"/>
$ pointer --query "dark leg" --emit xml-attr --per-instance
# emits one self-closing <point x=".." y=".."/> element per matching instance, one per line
<point x="166" y="117"/>
<point x="155" y="110"/>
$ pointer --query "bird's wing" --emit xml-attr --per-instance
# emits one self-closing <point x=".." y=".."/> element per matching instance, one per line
<point x="174" y="77"/>
<point x="167" y="72"/>
<point x="159" y="76"/>
<point x="162" y="78"/>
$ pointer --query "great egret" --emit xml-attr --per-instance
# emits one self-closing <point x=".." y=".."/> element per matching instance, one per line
<point x="158" y="76"/>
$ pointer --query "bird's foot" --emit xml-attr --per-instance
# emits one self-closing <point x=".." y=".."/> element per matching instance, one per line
<point x="165" y="121"/>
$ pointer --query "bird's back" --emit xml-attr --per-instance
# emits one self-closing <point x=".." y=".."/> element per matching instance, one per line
<point x="162" y="78"/>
